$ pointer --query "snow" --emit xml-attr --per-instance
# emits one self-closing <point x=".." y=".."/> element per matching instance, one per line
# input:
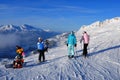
<point x="14" y="28"/>
<point x="103" y="62"/>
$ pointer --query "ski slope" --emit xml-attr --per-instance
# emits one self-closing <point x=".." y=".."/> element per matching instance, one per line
<point x="103" y="62"/>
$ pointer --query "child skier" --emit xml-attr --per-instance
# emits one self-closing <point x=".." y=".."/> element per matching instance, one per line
<point x="71" y="42"/>
<point x="18" y="62"/>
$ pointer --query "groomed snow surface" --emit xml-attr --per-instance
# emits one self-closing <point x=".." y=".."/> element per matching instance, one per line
<point x="103" y="62"/>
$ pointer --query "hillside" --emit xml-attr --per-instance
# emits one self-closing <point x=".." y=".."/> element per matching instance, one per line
<point x="103" y="62"/>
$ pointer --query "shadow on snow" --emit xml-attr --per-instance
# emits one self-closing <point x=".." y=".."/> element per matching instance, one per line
<point x="77" y="55"/>
<point x="103" y="50"/>
<point x="41" y="63"/>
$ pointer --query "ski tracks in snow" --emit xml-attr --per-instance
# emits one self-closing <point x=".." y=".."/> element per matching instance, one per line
<point x="59" y="67"/>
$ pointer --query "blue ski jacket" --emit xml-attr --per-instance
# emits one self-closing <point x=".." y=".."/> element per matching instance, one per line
<point x="40" y="46"/>
<point x="71" y="39"/>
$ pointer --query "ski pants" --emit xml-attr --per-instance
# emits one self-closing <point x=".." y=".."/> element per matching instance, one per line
<point x="85" y="50"/>
<point x="41" y="54"/>
<point x="70" y="49"/>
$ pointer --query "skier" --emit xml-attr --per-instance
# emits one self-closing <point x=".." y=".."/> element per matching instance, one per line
<point x="17" y="63"/>
<point x="85" y="39"/>
<point x="46" y="43"/>
<point x="40" y="46"/>
<point x="71" y="43"/>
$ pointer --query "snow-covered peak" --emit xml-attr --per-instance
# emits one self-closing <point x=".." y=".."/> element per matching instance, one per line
<point x="110" y="21"/>
<point x="113" y="20"/>
<point x="13" y="28"/>
<point x="26" y="27"/>
<point x="108" y="24"/>
<point x="97" y="23"/>
<point x="9" y="28"/>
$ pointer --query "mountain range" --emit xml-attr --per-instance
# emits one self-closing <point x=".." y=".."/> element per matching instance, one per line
<point x="14" y="28"/>
<point x="25" y="36"/>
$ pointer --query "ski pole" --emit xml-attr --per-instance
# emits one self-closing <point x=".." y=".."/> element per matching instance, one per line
<point x="81" y="46"/>
<point x="88" y="48"/>
<point x="76" y="50"/>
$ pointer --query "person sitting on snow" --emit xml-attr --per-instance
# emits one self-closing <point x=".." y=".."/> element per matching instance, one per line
<point x="71" y="43"/>
<point x="20" y="52"/>
<point x="17" y="63"/>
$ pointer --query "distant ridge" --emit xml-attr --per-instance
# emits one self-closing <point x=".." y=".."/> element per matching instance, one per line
<point x="14" y="28"/>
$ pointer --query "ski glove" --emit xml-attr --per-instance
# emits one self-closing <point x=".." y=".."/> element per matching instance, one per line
<point x="67" y="44"/>
<point x="75" y="45"/>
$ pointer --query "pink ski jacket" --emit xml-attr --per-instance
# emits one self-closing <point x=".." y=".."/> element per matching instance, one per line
<point x="85" y="38"/>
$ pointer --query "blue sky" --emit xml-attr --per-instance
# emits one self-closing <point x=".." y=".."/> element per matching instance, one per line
<point x="57" y="15"/>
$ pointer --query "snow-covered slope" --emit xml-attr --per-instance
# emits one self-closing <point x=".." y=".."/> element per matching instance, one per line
<point x="103" y="62"/>
<point x="108" y="25"/>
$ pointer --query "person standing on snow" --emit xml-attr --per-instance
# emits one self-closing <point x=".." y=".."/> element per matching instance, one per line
<point x="46" y="44"/>
<point x="71" y="43"/>
<point x="40" y="46"/>
<point x="85" y="39"/>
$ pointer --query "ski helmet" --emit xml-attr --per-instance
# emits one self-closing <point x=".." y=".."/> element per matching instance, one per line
<point x="39" y="38"/>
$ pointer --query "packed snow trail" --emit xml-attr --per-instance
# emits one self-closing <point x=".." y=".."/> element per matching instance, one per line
<point x="100" y="65"/>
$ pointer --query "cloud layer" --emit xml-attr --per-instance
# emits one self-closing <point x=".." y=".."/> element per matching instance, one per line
<point x="8" y="40"/>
